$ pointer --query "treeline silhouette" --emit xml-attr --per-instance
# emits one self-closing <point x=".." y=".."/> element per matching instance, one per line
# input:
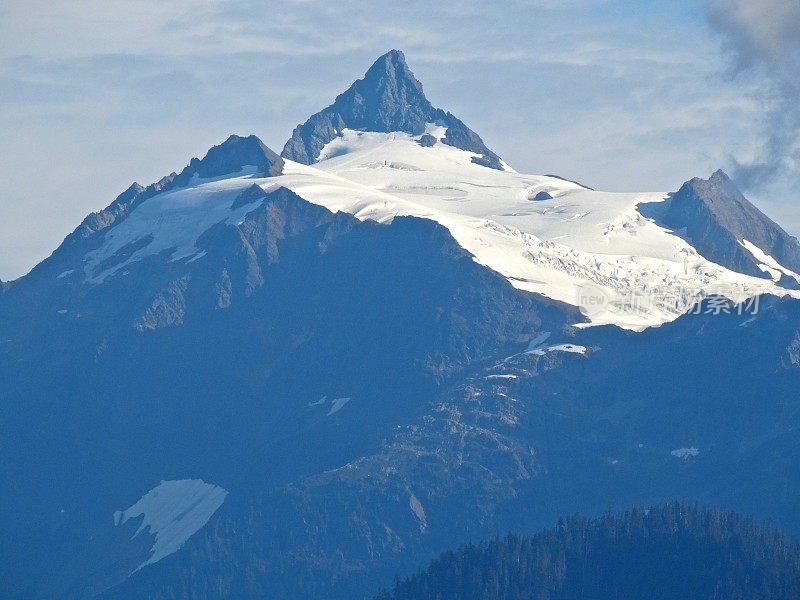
<point x="669" y="552"/>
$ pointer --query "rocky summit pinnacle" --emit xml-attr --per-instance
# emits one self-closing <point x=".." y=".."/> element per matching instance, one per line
<point x="718" y="220"/>
<point x="231" y="156"/>
<point x="388" y="98"/>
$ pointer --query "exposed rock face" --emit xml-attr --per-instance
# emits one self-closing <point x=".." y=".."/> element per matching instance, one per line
<point x="714" y="216"/>
<point x="168" y="307"/>
<point x="252" y="194"/>
<point x="427" y="140"/>
<point x="388" y="98"/>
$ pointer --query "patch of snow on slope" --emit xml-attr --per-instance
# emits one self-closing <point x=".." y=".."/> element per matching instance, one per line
<point x="685" y="453"/>
<point x="767" y="263"/>
<point x="536" y="347"/>
<point x="437" y="131"/>
<point x="173" y="511"/>
<point x="175" y="219"/>
<point x="570" y="348"/>
<point x="337" y="404"/>
<point x="538" y="341"/>
<point x="418" y="511"/>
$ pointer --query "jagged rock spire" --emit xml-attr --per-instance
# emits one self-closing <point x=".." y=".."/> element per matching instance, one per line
<point x="231" y="156"/>
<point x="716" y="219"/>
<point x="388" y="98"/>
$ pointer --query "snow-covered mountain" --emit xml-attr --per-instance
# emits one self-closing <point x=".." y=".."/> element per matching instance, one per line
<point x="303" y="374"/>
<point x="545" y="234"/>
<point x="382" y="150"/>
<point x="723" y="226"/>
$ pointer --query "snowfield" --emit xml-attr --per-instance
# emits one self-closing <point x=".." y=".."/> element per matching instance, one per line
<point x="174" y="219"/>
<point x="173" y="511"/>
<point x="554" y="247"/>
<point x="767" y="263"/>
<point x="337" y="404"/>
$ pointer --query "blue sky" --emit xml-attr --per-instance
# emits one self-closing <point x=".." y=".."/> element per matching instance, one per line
<point x="619" y="95"/>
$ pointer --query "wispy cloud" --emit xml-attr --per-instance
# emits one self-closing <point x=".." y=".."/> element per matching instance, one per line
<point x="763" y="39"/>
